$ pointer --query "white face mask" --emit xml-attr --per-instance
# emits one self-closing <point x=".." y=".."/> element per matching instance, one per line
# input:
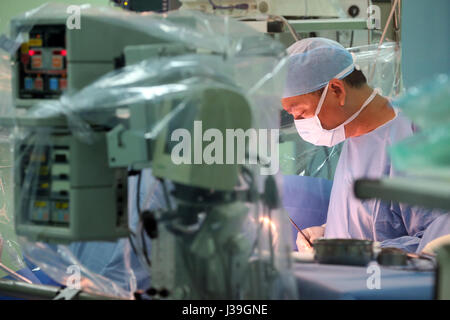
<point x="311" y="129"/>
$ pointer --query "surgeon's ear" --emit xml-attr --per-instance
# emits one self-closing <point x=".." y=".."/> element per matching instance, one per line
<point x="338" y="89"/>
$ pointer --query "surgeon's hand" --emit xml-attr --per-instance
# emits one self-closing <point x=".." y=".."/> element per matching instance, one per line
<point x="310" y="233"/>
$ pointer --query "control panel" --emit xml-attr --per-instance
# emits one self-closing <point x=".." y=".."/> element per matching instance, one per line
<point x="66" y="192"/>
<point x="42" y="63"/>
<point x="47" y="170"/>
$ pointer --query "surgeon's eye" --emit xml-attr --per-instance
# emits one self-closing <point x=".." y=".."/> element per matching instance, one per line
<point x="299" y="116"/>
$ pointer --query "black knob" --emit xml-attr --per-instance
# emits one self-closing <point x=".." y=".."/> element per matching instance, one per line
<point x="138" y="295"/>
<point x="353" y="11"/>
<point x="164" y="293"/>
<point x="152" y="292"/>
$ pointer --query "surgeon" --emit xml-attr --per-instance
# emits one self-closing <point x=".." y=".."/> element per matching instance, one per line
<point x="332" y="103"/>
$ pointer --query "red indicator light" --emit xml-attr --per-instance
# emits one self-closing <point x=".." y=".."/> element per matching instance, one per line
<point x="34" y="52"/>
<point x="64" y="52"/>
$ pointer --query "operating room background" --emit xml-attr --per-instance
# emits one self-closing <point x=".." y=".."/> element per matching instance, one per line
<point x="10" y="9"/>
<point x="316" y="167"/>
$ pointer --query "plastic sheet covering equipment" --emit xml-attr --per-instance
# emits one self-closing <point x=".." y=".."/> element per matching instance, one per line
<point x="426" y="153"/>
<point x="240" y="246"/>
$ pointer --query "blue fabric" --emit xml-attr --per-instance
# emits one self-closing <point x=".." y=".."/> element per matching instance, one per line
<point x="438" y="228"/>
<point x="321" y="281"/>
<point x="391" y="223"/>
<point x="27" y="273"/>
<point x="306" y="201"/>
<point x="109" y="260"/>
<point x="33" y="273"/>
<point x="312" y="63"/>
<point x="41" y="276"/>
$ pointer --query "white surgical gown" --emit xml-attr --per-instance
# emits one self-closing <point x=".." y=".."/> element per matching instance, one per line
<point x="392" y="224"/>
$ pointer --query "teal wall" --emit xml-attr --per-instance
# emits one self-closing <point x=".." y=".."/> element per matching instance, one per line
<point x="425" y="39"/>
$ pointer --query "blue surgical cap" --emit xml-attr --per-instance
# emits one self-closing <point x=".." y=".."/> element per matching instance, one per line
<point x="312" y="63"/>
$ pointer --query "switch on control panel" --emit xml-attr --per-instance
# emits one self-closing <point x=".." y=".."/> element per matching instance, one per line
<point x="43" y="63"/>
